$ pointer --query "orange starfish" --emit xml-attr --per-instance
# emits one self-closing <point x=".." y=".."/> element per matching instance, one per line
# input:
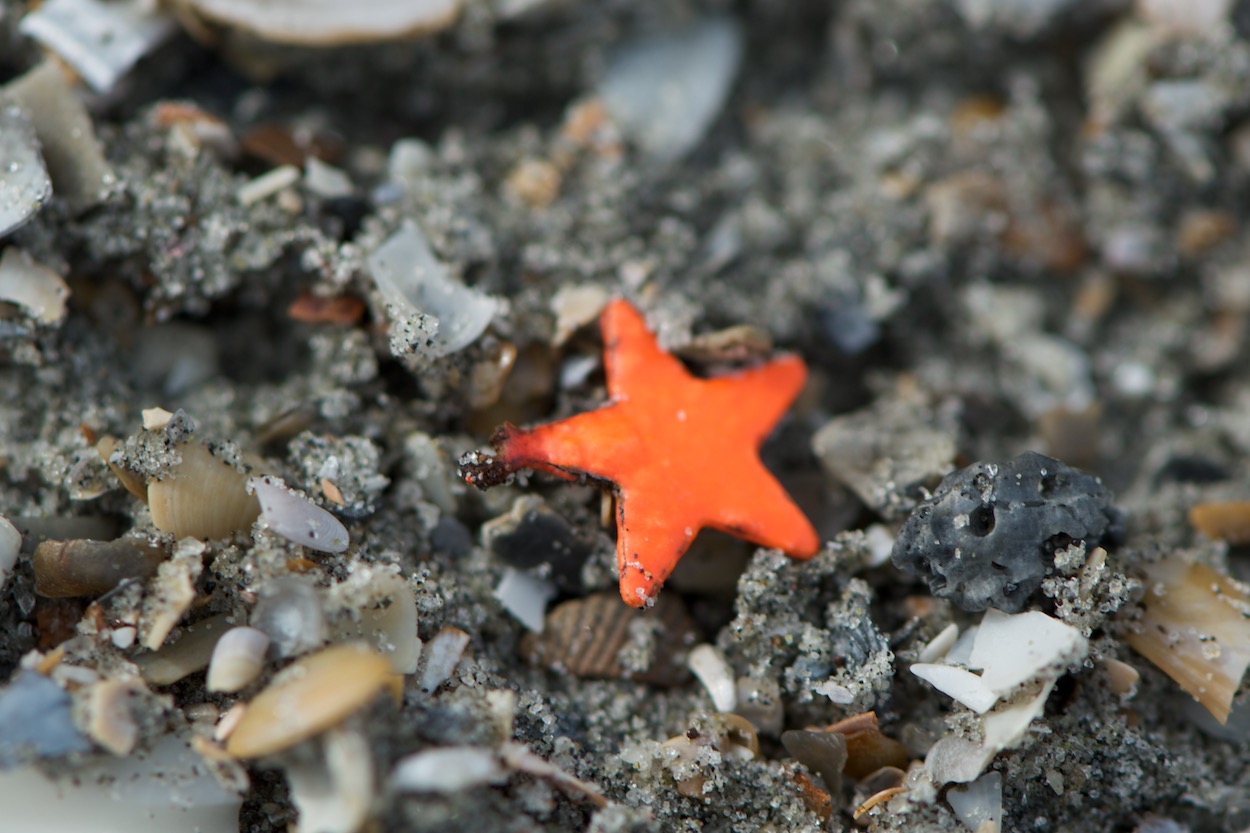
<point x="681" y="452"/>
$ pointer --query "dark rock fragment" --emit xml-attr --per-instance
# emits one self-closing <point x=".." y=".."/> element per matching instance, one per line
<point x="988" y="535"/>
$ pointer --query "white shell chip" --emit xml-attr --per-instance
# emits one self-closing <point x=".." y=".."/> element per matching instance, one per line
<point x="296" y="518"/>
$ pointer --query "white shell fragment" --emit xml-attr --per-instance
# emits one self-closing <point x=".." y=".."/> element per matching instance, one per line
<point x="74" y="156"/>
<point x="665" y="90"/>
<point x="330" y="22"/>
<point x="1013" y="649"/>
<point x="29" y="284"/>
<point x="980" y="804"/>
<point x="296" y="518"/>
<point x="172" y="592"/>
<point x="238" y="659"/>
<point x="709" y="665"/>
<point x="415" y="283"/>
<point x="448" y="769"/>
<point x="333" y="793"/>
<point x="154" y="419"/>
<point x="10" y="545"/>
<point x="325" y="180"/>
<point x="100" y="40"/>
<point x="525" y="596"/>
<point x="964" y="686"/>
<point x="442" y="656"/>
<point x="267" y="184"/>
<point x="378" y="607"/>
<point x="24" y="183"/>
<point x="941" y="644"/>
<point x="110" y="719"/>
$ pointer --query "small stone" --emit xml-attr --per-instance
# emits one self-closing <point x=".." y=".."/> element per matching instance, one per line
<point x="989" y="533"/>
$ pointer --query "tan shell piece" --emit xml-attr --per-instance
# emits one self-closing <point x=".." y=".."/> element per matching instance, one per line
<point x="588" y="637"/>
<point x="331" y="22"/>
<point x="202" y="497"/>
<point x="315" y="693"/>
<point x="1224" y="521"/>
<point x="132" y="481"/>
<point x="1195" y="629"/>
<point x="867" y="747"/>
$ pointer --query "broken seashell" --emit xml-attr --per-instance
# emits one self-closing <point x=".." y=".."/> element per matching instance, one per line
<point x="189" y="654"/>
<point x="381" y="611"/>
<point x="331" y="22"/>
<point x="85" y="567"/>
<point x="448" y="769"/>
<point x="868" y="749"/>
<point x="155" y="419"/>
<point x="824" y="753"/>
<point x="519" y="757"/>
<point x="170" y="593"/>
<point x="1224" y="521"/>
<point x="594" y="637"/>
<point x="238" y="658"/>
<point x="27" y="283"/>
<point x="710" y="666"/>
<point x="333" y="792"/>
<point x="110" y="720"/>
<point x="442" y="656"/>
<point x="131" y="481"/>
<point x="1195" y="629"/>
<point x="10" y="546"/>
<point x="296" y="518"/>
<point x="979" y="805"/>
<point x="202" y="497"/>
<point x="525" y="596"/>
<point x="289" y="612"/>
<point x="315" y="693"/>
<point x="24" y="183"/>
<point x="575" y="307"/>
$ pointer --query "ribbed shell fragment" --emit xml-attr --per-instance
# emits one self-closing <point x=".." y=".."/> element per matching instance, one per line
<point x="202" y="497"/>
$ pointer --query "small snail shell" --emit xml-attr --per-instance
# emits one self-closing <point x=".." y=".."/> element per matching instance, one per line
<point x="202" y="497"/>
<point x="238" y="659"/>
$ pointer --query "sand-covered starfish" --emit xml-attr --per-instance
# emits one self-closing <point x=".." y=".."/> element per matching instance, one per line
<point x="681" y="453"/>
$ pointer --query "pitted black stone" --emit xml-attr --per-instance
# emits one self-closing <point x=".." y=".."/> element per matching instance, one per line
<point x="988" y="535"/>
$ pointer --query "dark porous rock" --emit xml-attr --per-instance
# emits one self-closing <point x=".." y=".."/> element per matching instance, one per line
<point x="988" y="535"/>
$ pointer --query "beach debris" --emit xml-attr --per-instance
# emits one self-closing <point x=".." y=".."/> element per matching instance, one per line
<point x="709" y="665"/>
<point x="377" y="607"/>
<point x="575" y="306"/>
<point x="330" y="22"/>
<point x="706" y="745"/>
<point x="325" y="180"/>
<point x="868" y="749"/>
<point x="74" y="156"/>
<point x="824" y="753"/>
<point x="759" y="701"/>
<point x="267" y="184"/>
<point x="1194" y="627"/>
<point x="36" y="721"/>
<point x="189" y="653"/>
<point x="448" y="769"/>
<point x="201" y="497"/>
<point x="109" y="709"/>
<point x="888" y="452"/>
<point x="36" y="289"/>
<point x="166" y="788"/>
<point x="314" y="694"/>
<point x="10" y="546"/>
<point x="238" y="658"/>
<point x="1011" y="650"/>
<point x="521" y="758"/>
<point x="677" y="463"/>
<point x="441" y="657"/>
<point x="296" y="518"/>
<point x="100" y="40"/>
<point x="335" y="309"/>
<point x="533" y="537"/>
<point x="289" y="610"/>
<point x="421" y="296"/>
<point x="665" y="90"/>
<point x="333" y="791"/>
<point x="1227" y="520"/>
<point x="534" y="182"/>
<point x="598" y="637"/>
<point x="155" y="419"/>
<point x="171" y="592"/>
<point x="979" y="805"/>
<point x="84" y="567"/>
<point x="525" y="596"/>
<point x="988" y="535"/>
<point x="24" y="182"/>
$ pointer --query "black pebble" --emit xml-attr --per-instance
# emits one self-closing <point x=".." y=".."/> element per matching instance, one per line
<point x="988" y="535"/>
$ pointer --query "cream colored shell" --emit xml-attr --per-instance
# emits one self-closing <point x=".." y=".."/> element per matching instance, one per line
<point x="202" y="497"/>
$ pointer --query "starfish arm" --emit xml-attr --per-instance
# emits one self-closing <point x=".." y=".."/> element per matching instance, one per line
<point x="765" y="514"/>
<point x="632" y="358"/>
<point x="593" y="443"/>
<point x="650" y="539"/>
<point x="759" y="397"/>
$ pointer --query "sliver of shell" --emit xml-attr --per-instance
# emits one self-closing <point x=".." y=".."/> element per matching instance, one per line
<point x="588" y="638"/>
<point x="202" y="497"/>
<point x="331" y="22"/>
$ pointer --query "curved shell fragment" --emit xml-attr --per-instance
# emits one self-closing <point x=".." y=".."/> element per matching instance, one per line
<point x="296" y="518"/>
<point x="331" y="22"/>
